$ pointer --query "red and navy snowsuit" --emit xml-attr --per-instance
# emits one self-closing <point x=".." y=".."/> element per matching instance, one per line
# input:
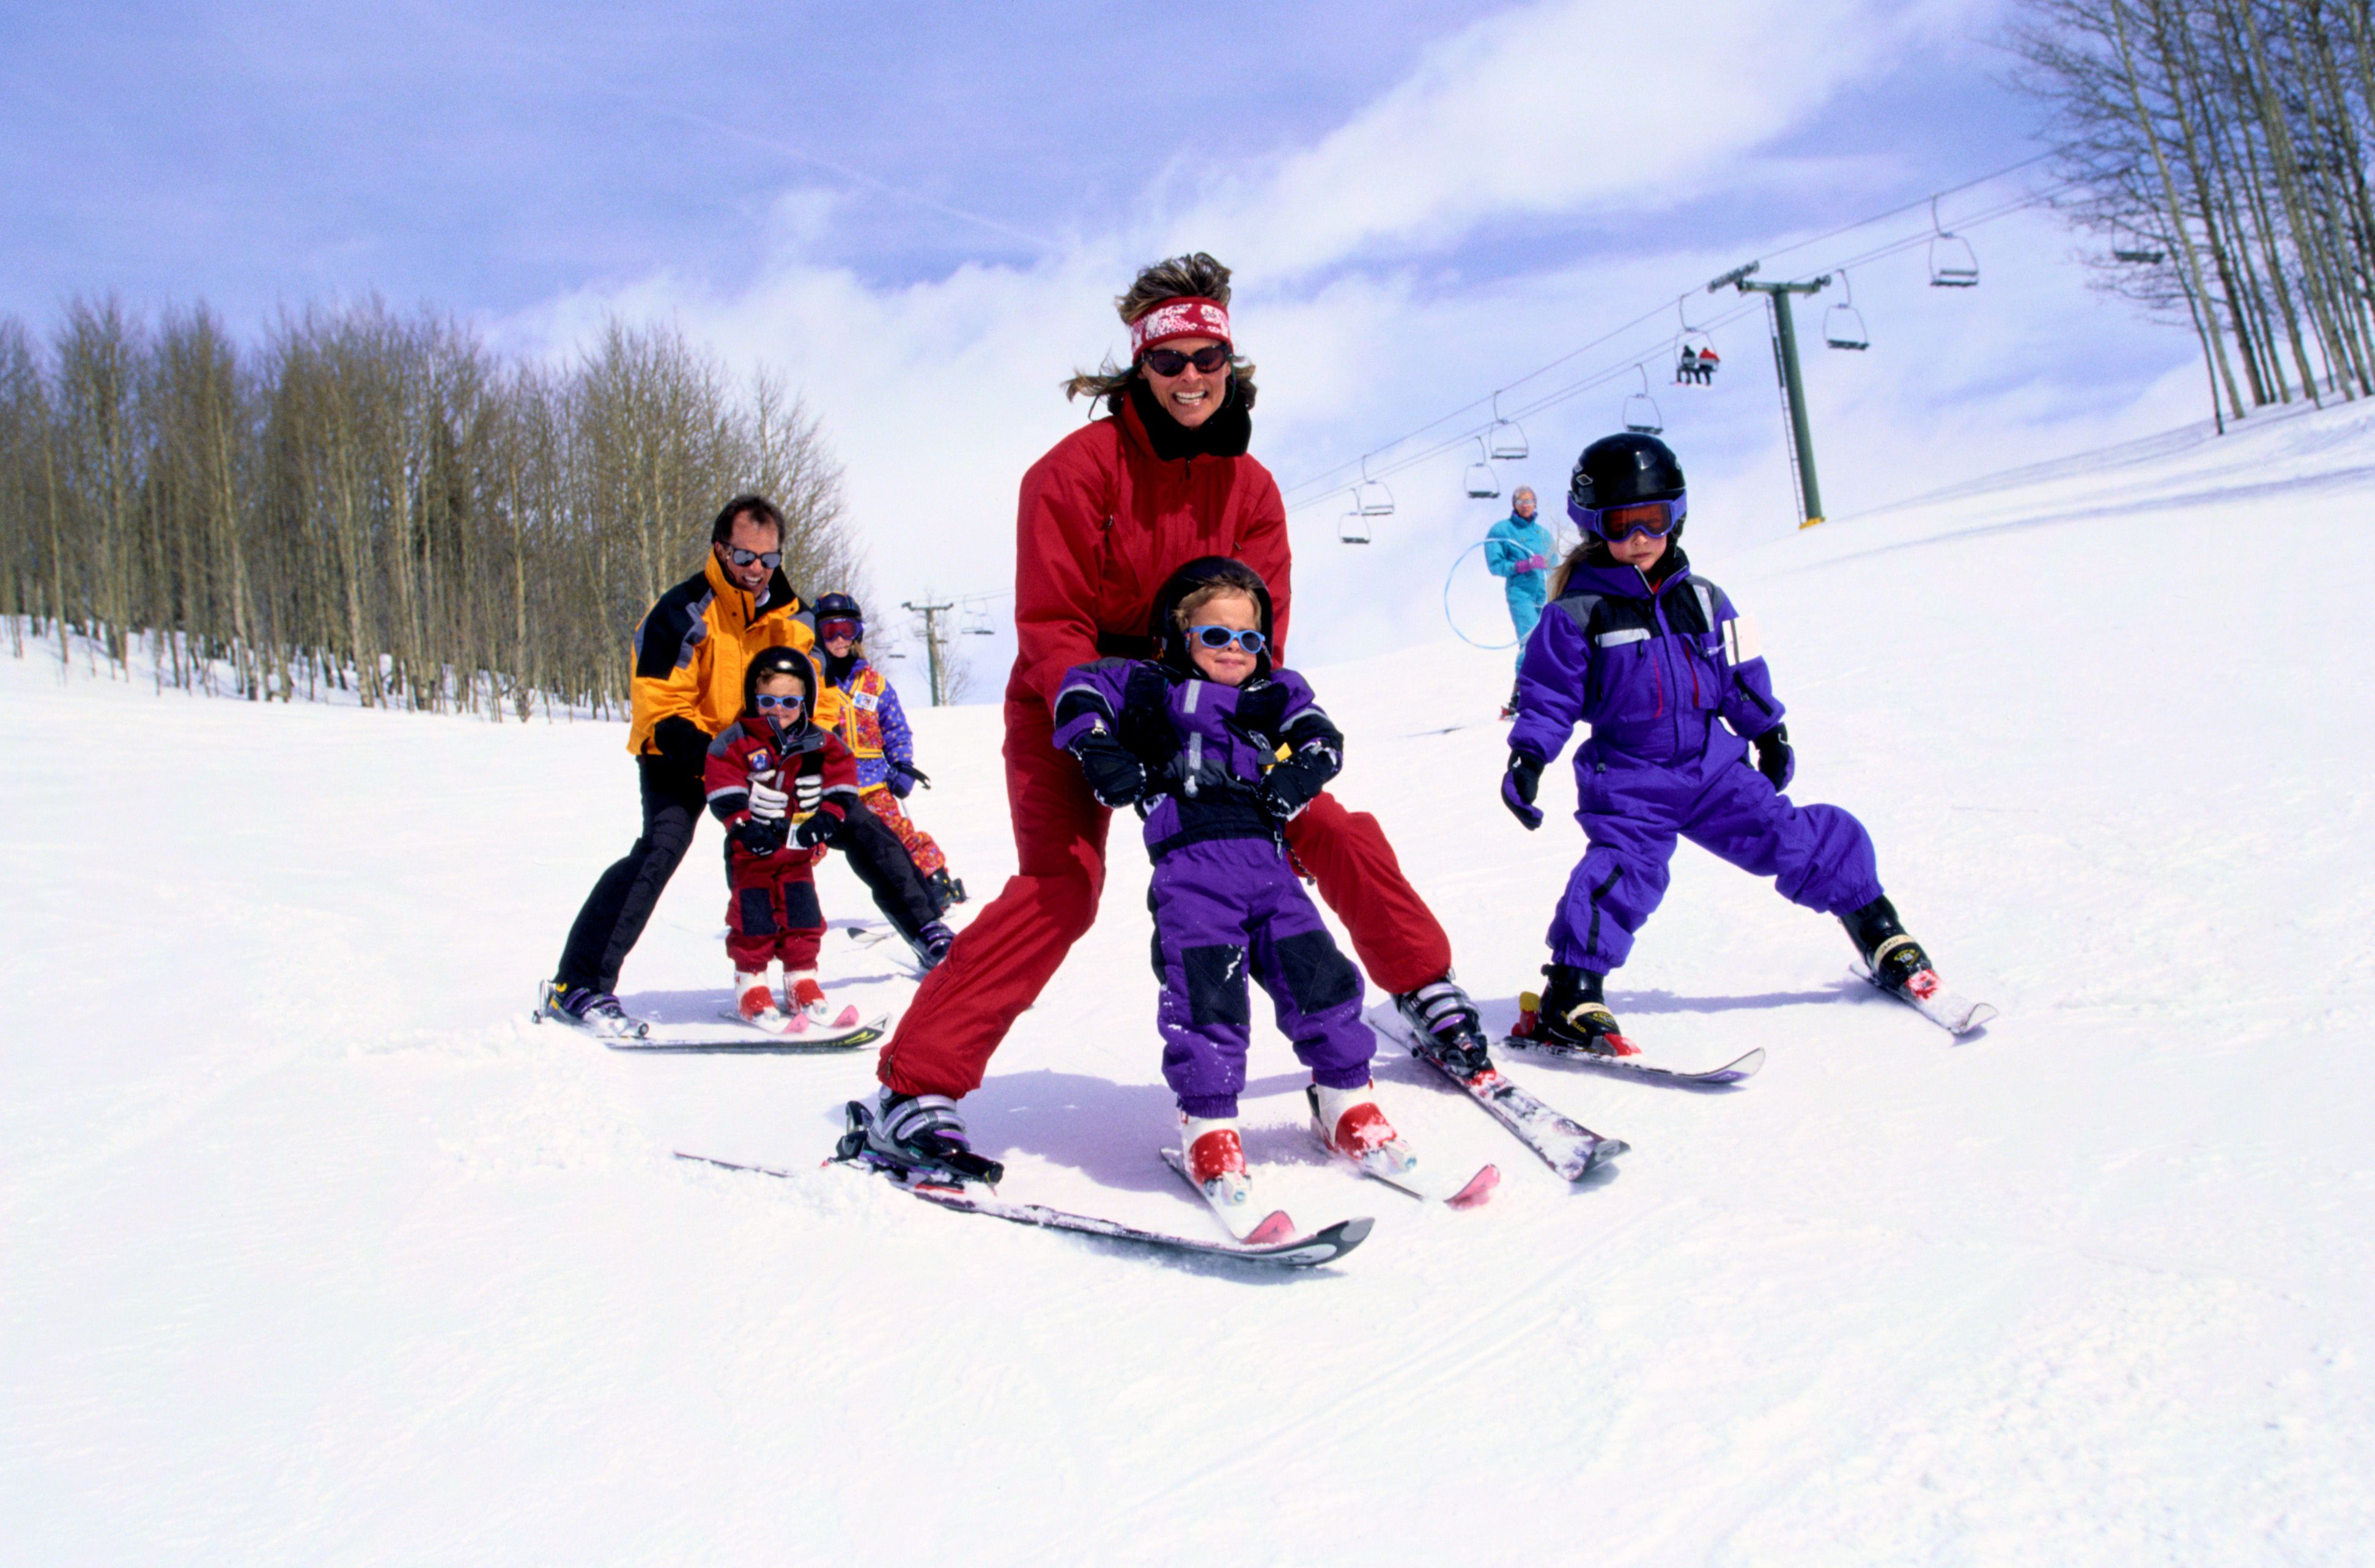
<point x="1226" y="898"/>
<point x="1650" y="669"/>
<point x="771" y="908"/>
<point x="1110" y="513"/>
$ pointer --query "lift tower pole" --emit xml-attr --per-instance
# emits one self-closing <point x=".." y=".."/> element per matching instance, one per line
<point x="1793" y="386"/>
<point x="931" y="614"/>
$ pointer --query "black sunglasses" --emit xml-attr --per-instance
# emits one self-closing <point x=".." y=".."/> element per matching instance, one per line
<point x="1171" y="362"/>
<point x="768" y="558"/>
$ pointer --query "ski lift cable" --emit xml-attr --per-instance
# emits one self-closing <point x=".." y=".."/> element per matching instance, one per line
<point x="1329" y="480"/>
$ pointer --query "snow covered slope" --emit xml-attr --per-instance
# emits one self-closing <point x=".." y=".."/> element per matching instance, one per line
<point x="316" y="1252"/>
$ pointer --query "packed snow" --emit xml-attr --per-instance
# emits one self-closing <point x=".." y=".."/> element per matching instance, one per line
<point x="317" y="1251"/>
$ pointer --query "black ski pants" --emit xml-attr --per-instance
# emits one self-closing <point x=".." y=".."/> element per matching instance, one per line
<point x="615" y="913"/>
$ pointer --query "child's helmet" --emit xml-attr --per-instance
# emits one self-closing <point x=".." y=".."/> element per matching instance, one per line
<point x="1162" y="626"/>
<point x="777" y="660"/>
<point x="1620" y="469"/>
<point x="839" y="607"/>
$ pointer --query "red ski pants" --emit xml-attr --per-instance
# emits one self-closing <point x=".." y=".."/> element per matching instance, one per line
<point x="772" y="911"/>
<point x="912" y="838"/>
<point x="1013" y="947"/>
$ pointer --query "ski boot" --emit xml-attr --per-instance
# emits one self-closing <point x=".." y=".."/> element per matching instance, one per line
<point x="804" y="999"/>
<point x="930" y="945"/>
<point x="918" y="1139"/>
<point x="1895" y="959"/>
<point x="754" y="1001"/>
<point x="1351" y="1122"/>
<point x="1449" y="1034"/>
<point x="1216" y="1161"/>
<point x="1571" y="1015"/>
<point x="596" y="1012"/>
<point x="946" y="890"/>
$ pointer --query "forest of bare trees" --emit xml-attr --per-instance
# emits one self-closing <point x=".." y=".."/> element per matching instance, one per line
<point x="2220" y="148"/>
<point x="374" y="503"/>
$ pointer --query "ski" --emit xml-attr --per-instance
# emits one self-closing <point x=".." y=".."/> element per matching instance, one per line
<point x="750" y="1042"/>
<point x="1276" y="1227"/>
<point x="1566" y="1146"/>
<point x="1926" y="995"/>
<point x="1320" y="1246"/>
<point x="839" y="1038"/>
<point x="1419" y="1182"/>
<point x="1730" y="1072"/>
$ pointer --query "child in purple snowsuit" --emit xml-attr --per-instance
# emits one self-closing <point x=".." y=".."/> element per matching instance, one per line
<point x="1650" y="658"/>
<point x="1217" y="749"/>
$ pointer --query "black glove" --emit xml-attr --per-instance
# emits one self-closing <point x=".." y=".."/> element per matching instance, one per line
<point x="817" y="829"/>
<point x="684" y="744"/>
<point x="1115" y="777"/>
<point x="1774" y="757"/>
<point x="759" y="835"/>
<point x="1295" y="783"/>
<point x="1518" y="787"/>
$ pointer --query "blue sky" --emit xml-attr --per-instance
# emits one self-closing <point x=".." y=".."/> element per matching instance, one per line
<point x="920" y="212"/>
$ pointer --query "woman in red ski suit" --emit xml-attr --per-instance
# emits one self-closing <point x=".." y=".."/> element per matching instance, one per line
<point x="1108" y="515"/>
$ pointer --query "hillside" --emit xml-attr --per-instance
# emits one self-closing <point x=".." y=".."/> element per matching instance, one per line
<point x="318" y="1252"/>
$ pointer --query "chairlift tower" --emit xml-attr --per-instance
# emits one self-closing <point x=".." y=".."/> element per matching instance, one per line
<point x="1793" y="386"/>
<point x="931" y="614"/>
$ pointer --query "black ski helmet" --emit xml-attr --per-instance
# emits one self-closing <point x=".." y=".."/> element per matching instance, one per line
<point x="1162" y="626"/>
<point x="1618" y="470"/>
<point x="777" y="660"/>
<point x="839" y="607"/>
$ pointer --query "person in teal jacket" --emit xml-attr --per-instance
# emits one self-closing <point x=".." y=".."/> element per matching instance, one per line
<point x="1519" y="549"/>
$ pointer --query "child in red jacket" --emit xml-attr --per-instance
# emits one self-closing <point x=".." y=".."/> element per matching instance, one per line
<point x="762" y="770"/>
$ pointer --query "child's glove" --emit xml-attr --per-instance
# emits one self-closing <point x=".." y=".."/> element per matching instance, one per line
<point x="759" y="835"/>
<point x="1286" y="789"/>
<point x="768" y="803"/>
<point x="1774" y="757"/>
<point x="1116" y="778"/>
<point x="1518" y="787"/>
<point x="904" y="777"/>
<point x="817" y="829"/>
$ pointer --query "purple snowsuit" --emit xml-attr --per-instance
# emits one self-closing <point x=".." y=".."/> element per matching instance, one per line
<point x="1224" y="897"/>
<point x="1651" y="671"/>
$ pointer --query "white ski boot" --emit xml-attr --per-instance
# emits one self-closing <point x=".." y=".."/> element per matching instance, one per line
<point x="1351" y="1122"/>
<point x="754" y="1000"/>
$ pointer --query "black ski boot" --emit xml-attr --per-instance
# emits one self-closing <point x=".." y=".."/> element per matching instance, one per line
<point x="915" y="1138"/>
<point x="946" y="890"/>
<point x="1573" y="1015"/>
<point x="930" y="945"/>
<point x="1451" y="1034"/>
<point x="1895" y="959"/>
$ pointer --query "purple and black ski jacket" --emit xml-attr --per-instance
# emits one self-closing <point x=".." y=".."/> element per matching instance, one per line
<point x="1647" y="669"/>
<point x="1205" y="745"/>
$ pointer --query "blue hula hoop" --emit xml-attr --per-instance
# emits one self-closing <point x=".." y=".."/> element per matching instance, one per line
<point x="1489" y="647"/>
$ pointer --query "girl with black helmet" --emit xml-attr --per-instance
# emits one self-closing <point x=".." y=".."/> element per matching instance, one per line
<point x="1650" y="657"/>
<point x="868" y="716"/>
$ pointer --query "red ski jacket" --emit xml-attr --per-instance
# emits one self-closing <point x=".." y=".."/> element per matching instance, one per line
<point x="747" y="751"/>
<point x="1105" y="519"/>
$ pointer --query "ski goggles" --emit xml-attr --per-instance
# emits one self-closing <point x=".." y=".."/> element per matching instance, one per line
<point x="768" y="558"/>
<point x="1221" y="636"/>
<point x="829" y="630"/>
<point x="768" y="703"/>
<point x="1210" y="359"/>
<point x="1615" y="523"/>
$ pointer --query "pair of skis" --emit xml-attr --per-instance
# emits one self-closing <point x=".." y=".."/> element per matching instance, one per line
<point x="749" y="1040"/>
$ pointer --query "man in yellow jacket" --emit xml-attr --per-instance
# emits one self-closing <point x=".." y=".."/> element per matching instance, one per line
<point x="691" y="650"/>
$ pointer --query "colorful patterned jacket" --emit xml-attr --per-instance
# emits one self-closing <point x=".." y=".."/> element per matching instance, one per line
<point x="869" y="721"/>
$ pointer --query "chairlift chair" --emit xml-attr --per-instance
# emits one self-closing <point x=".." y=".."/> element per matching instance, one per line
<point x="1484" y="484"/>
<point x="1952" y="263"/>
<point x="1843" y="324"/>
<point x="1695" y="358"/>
<point x="1508" y="443"/>
<point x="1372" y="498"/>
<point x="973" y="621"/>
<point x="1353" y="529"/>
<point x="1641" y="413"/>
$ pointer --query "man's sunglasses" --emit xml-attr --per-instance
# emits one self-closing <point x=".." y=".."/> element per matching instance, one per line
<point x="768" y="558"/>
<point x="768" y="701"/>
<point x="829" y="630"/>
<point x="1221" y="636"/>
<point x="1171" y="362"/>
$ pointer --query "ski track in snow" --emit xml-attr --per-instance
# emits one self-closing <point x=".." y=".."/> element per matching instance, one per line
<point x="317" y="1251"/>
